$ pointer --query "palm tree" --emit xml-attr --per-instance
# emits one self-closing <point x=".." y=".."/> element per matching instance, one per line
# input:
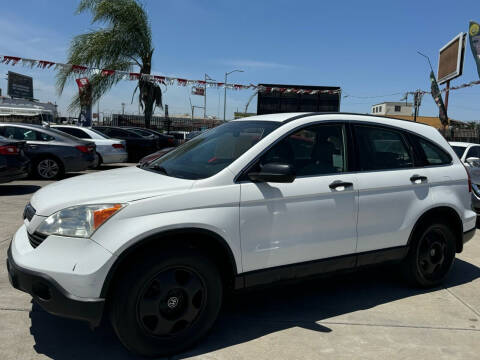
<point x="125" y="41"/>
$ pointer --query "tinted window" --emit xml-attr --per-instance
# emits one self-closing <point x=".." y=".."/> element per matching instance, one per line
<point x="74" y="132"/>
<point x="142" y="132"/>
<point x="19" y="133"/>
<point x="474" y="151"/>
<point x="434" y="155"/>
<point x="459" y="150"/>
<point x="112" y="132"/>
<point x="211" y="152"/>
<point x="314" y="150"/>
<point x="382" y="149"/>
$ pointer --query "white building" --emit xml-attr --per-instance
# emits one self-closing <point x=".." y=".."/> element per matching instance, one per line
<point x="392" y="108"/>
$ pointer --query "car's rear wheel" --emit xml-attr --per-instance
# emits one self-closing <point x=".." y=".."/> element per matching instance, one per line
<point x="166" y="302"/>
<point x="97" y="162"/>
<point x="431" y="255"/>
<point x="48" y="168"/>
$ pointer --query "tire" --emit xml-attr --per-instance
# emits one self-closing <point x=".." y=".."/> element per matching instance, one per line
<point x="431" y="256"/>
<point x="98" y="161"/>
<point x="165" y="303"/>
<point x="48" y="168"/>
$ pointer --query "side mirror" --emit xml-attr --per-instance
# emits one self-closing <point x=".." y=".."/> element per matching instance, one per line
<point x="473" y="161"/>
<point x="274" y="172"/>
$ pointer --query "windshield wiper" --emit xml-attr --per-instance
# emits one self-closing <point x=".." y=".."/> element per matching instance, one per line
<point x="159" y="168"/>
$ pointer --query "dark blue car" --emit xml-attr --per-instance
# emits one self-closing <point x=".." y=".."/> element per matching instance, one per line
<point x="52" y="152"/>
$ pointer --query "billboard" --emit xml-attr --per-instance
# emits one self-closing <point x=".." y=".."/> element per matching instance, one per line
<point x="20" y="86"/>
<point x="450" y="63"/>
<point x="282" y="102"/>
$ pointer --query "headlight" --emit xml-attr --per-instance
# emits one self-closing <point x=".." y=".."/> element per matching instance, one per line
<point x="78" y="221"/>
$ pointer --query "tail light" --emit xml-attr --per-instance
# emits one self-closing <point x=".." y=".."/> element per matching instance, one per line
<point x="9" y="150"/>
<point x="83" y="148"/>
<point x="118" y="146"/>
<point x="170" y="140"/>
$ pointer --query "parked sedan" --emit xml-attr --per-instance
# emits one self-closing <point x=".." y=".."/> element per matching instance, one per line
<point x="156" y="155"/>
<point x="137" y="145"/>
<point x="109" y="151"/>
<point x="51" y="152"/>
<point x="163" y="140"/>
<point x="469" y="155"/>
<point x="14" y="164"/>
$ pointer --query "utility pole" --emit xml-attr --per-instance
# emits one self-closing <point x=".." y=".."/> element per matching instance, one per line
<point x="205" y="95"/>
<point x="123" y="108"/>
<point x="225" y="92"/>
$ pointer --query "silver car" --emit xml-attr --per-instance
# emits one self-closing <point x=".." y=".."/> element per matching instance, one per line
<point x="109" y="151"/>
<point x="469" y="154"/>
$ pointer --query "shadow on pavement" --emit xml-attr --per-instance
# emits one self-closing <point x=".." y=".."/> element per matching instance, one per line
<point x="249" y="315"/>
<point x="12" y="190"/>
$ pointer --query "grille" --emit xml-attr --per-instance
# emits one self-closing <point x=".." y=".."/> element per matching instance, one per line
<point x="36" y="239"/>
<point x="28" y="212"/>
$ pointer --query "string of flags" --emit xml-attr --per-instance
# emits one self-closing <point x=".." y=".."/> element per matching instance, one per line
<point x="462" y="86"/>
<point x="167" y="80"/>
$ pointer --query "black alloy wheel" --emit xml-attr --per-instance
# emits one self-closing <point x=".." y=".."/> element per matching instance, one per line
<point x="171" y="301"/>
<point x="165" y="301"/>
<point x="431" y="255"/>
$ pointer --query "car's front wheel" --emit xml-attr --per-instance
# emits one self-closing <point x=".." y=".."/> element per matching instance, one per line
<point x="166" y="302"/>
<point x="431" y="255"/>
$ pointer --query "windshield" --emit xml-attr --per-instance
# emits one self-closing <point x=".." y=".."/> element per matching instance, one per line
<point x="459" y="150"/>
<point x="214" y="150"/>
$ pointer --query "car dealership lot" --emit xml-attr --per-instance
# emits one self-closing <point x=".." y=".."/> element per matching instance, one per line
<point x="371" y="314"/>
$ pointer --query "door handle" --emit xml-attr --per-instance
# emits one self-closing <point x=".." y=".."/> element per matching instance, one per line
<point x="418" y="179"/>
<point x="337" y="184"/>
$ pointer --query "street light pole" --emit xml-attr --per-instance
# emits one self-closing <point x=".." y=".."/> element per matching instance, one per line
<point x="225" y="92"/>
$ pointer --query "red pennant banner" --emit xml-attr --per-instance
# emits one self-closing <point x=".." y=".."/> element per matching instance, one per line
<point x="134" y="76"/>
<point x="182" y="82"/>
<point x="106" y="72"/>
<point x="45" y="64"/>
<point x="13" y="59"/>
<point x="79" y="68"/>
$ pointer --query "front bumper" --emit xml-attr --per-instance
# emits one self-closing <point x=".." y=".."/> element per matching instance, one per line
<point x="51" y="296"/>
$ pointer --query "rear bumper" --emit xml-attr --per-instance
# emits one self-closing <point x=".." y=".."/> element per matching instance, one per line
<point x="109" y="158"/>
<point x="51" y="296"/>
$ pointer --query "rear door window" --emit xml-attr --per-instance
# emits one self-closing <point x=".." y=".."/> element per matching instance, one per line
<point x="75" y="132"/>
<point x="382" y="149"/>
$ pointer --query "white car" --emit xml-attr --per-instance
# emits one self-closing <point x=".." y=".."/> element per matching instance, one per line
<point x="109" y="151"/>
<point x="469" y="154"/>
<point x="251" y="202"/>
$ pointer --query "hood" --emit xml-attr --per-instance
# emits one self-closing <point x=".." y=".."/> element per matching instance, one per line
<point x="118" y="185"/>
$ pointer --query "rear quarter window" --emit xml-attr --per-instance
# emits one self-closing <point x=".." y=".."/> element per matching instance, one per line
<point x="432" y="154"/>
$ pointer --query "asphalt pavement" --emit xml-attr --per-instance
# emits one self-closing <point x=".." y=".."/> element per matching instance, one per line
<point x="367" y="315"/>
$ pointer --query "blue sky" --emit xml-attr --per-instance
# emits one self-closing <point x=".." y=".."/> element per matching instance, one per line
<point x="366" y="47"/>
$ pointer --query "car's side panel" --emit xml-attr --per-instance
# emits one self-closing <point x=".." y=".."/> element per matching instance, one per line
<point x="213" y="209"/>
<point x="389" y="204"/>
<point x="296" y="222"/>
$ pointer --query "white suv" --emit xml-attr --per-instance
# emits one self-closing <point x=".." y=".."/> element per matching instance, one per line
<point x="251" y="202"/>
